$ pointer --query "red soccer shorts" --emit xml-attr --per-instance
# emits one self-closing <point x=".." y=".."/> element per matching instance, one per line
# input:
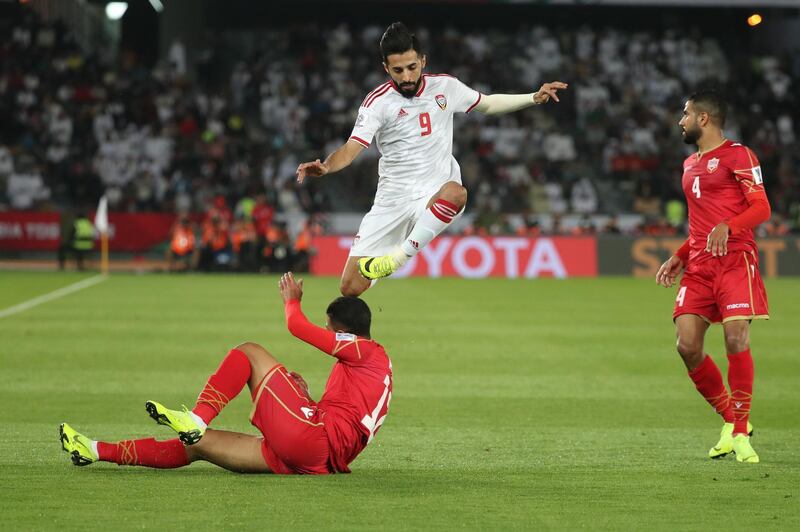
<point x="722" y="289"/>
<point x="294" y="437"/>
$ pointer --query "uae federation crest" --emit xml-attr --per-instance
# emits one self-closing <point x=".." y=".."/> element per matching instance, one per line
<point x="712" y="165"/>
<point x="441" y="101"/>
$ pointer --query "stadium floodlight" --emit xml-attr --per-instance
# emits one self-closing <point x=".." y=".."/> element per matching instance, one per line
<point x="754" y="20"/>
<point x="115" y="10"/>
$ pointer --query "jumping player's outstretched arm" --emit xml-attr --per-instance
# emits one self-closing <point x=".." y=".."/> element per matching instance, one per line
<point x="334" y="162"/>
<point x="495" y="104"/>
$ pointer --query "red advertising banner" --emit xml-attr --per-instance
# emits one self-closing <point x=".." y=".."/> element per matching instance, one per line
<point x="477" y="257"/>
<point x="131" y="232"/>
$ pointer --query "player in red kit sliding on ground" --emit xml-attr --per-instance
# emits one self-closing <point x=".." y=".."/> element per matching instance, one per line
<point x="299" y="435"/>
<point x="721" y="282"/>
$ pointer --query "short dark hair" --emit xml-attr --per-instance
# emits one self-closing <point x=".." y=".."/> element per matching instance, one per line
<point x="397" y="40"/>
<point x="711" y="102"/>
<point x="351" y="314"/>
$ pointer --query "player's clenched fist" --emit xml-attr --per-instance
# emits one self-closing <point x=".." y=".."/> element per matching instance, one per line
<point x="669" y="271"/>
<point x="311" y="169"/>
<point x="547" y="91"/>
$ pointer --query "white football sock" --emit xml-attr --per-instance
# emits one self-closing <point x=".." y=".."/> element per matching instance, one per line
<point x="198" y="420"/>
<point x="432" y="222"/>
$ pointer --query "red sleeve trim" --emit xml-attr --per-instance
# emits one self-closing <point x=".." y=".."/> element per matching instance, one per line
<point x="360" y="141"/>
<point x="471" y="107"/>
<point x="758" y="212"/>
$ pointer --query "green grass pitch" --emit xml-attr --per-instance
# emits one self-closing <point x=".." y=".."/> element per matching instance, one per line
<point x="518" y="405"/>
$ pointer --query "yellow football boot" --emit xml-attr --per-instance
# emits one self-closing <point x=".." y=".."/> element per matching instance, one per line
<point x="77" y="445"/>
<point x="744" y="451"/>
<point x="188" y="429"/>
<point x="373" y="268"/>
<point x="725" y="444"/>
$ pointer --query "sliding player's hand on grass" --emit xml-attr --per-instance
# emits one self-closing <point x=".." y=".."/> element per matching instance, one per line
<point x="290" y="289"/>
<point x="669" y="271"/>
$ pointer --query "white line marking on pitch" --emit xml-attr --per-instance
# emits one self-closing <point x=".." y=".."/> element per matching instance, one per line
<point x="50" y="296"/>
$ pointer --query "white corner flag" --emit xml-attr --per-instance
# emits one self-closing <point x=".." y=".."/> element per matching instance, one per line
<point x="101" y="216"/>
<point x="101" y="224"/>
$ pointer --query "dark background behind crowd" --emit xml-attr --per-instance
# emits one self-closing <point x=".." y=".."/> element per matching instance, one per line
<point x="224" y="126"/>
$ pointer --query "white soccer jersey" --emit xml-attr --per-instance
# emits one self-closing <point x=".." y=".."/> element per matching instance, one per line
<point x="414" y="135"/>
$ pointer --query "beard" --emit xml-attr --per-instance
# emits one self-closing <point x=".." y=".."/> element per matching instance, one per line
<point x="691" y="136"/>
<point x="410" y="89"/>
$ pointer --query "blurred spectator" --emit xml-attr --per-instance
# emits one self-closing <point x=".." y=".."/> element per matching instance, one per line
<point x="646" y="203"/>
<point x="277" y="251"/>
<point x="73" y="125"/>
<point x="215" y="250"/>
<point x="245" y="240"/>
<point x="181" y="253"/>
<point x="612" y="226"/>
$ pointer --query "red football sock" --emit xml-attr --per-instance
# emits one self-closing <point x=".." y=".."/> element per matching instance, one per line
<point x="708" y="381"/>
<point x="231" y="376"/>
<point x="740" y="379"/>
<point x="147" y="452"/>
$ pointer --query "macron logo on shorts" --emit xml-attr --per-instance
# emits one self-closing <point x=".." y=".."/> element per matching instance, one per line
<point x="733" y="306"/>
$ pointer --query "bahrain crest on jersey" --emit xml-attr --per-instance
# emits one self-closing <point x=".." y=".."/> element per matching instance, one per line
<point x="712" y="165"/>
<point x="441" y="101"/>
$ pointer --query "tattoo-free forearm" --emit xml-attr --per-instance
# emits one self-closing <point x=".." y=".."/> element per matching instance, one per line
<point x="343" y="156"/>
<point x="494" y="104"/>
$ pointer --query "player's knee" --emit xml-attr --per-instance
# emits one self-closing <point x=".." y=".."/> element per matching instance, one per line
<point x="736" y="343"/>
<point x="456" y="194"/>
<point x="690" y="350"/>
<point x="252" y="350"/>
<point x="350" y="288"/>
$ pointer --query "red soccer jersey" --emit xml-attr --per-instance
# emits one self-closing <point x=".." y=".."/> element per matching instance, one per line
<point x="717" y="186"/>
<point x="358" y="391"/>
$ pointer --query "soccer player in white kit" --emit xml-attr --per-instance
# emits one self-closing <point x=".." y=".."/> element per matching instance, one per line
<point x="410" y="117"/>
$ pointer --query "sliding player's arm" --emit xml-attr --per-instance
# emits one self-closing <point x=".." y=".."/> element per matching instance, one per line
<point x="495" y="104"/>
<point x="334" y="162"/>
<point x="343" y="346"/>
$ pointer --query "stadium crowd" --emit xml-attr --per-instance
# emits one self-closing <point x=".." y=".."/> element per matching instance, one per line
<point x="176" y="137"/>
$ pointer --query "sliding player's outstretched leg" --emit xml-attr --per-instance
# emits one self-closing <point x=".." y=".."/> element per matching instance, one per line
<point x="142" y="452"/>
<point x="440" y="211"/>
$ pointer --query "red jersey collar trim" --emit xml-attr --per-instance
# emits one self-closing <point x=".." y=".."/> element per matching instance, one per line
<point x="421" y="86"/>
